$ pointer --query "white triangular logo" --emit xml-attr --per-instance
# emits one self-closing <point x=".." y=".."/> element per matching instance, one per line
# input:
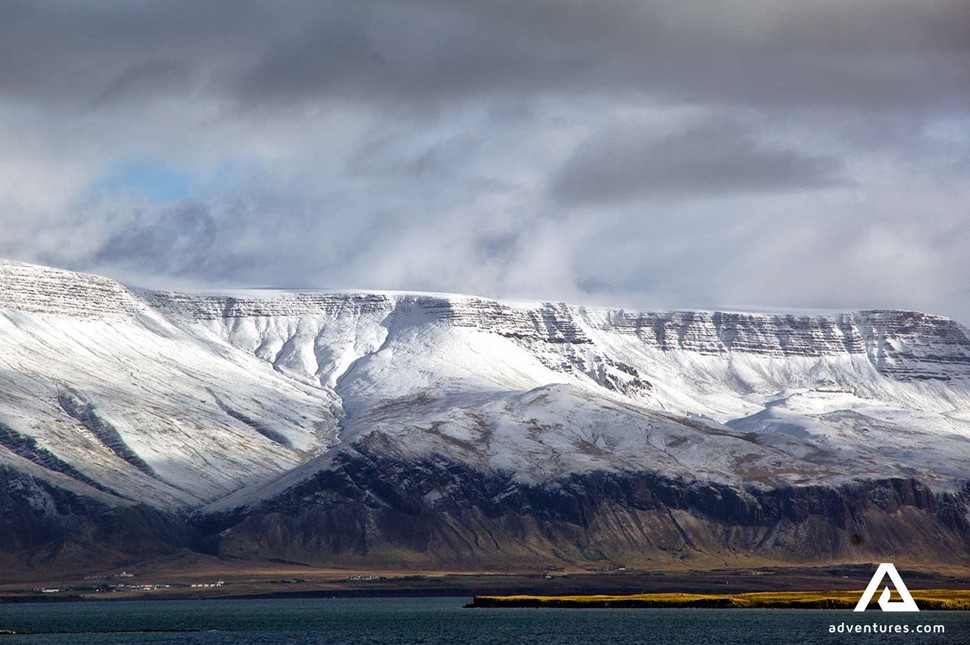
<point x="906" y="604"/>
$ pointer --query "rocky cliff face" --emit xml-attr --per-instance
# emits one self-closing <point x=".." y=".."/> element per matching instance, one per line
<point x="903" y="345"/>
<point x="369" y="427"/>
<point x="42" y="290"/>
<point x="371" y="509"/>
<point x="44" y="525"/>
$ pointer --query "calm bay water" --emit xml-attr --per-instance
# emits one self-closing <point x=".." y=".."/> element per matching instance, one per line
<point x="442" y="621"/>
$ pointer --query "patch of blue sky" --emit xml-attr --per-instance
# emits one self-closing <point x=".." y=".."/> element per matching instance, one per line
<point x="145" y="178"/>
<point x="159" y="181"/>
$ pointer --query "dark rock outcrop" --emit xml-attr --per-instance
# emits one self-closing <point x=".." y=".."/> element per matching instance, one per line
<point x="375" y="509"/>
<point x="42" y="525"/>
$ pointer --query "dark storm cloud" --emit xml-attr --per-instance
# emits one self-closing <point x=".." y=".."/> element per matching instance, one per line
<point x="712" y="159"/>
<point x="869" y="53"/>
<point x="143" y="81"/>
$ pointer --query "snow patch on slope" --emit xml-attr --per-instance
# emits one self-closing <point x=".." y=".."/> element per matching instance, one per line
<point x="183" y="400"/>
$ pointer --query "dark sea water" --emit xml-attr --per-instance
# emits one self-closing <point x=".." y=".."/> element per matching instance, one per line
<point x="443" y="621"/>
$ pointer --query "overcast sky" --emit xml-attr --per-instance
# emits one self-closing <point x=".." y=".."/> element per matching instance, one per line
<point x="755" y="153"/>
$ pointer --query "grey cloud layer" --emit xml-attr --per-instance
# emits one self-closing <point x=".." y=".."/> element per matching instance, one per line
<point x="713" y="158"/>
<point x="875" y="54"/>
<point x="633" y="152"/>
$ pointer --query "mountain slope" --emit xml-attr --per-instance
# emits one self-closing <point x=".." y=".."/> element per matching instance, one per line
<point x="233" y="408"/>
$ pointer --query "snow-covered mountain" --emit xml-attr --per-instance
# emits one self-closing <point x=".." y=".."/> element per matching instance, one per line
<point x="245" y="406"/>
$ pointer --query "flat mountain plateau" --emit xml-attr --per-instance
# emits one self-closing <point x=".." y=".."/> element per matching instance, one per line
<point x="371" y="431"/>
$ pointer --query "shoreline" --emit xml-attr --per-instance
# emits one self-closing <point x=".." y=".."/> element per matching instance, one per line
<point x="178" y="579"/>
<point x="926" y="599"/>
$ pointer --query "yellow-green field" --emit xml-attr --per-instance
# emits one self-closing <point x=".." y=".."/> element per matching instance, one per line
<point x="930" y="599"/>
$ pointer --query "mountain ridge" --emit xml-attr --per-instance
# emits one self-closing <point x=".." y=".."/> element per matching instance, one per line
<point x="220" y="406"/>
